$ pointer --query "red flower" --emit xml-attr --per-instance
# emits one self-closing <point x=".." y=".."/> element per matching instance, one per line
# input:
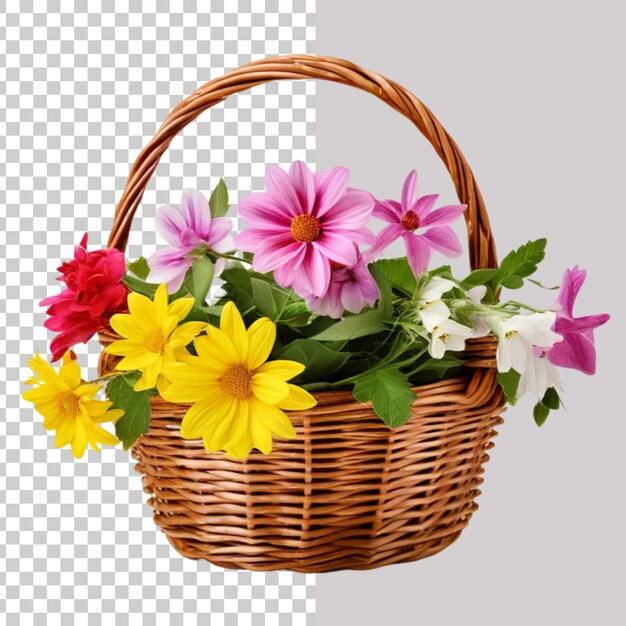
<point x="94" y="293"/>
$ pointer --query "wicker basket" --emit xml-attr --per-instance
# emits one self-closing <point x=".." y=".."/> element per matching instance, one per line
<point x="348" y="492"/>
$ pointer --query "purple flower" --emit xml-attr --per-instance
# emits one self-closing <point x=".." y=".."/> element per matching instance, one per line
<point x="577" y="349"/>
<point x="302" y="222"/>
<point x="350" y="289"/>
<point x="191" y="233"/>
<point x="422" y="229"/>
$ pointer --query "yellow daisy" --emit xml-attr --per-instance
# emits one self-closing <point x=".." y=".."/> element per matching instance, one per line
<point x="237" y="395"/>
<point x="68" y="406"/>
<point x="152" y="335"/>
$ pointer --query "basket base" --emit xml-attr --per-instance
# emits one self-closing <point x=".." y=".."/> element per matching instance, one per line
<point x="190" y="550"/>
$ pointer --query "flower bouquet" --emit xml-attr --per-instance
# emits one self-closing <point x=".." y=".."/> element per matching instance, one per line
<point x="294" y="398"/>
<point x="306" y="303"/>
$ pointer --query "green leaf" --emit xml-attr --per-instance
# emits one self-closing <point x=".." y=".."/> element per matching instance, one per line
<point x="139" y="268"/>
<point x="218" y="202"/>
<point x="398" y="273"/>
<point x="136" y="406"/>
<point x="509" y="381"/>
<point x="353" y="327"/>
<point x="478" y="277"/>
<point x="202" y="279"/>
<point x="385" y="301"/>
<point x="536" y="282"/>
<point x="390" y="393"/>
<point x="320" y="361"/>
<point x="295" y="314"/>
<point x="540" y="413"/>
<point x="520" y="264"/>
<point x="551" y="399"/>
<point x="439" y="366"/>
<point x="140" y="286"/>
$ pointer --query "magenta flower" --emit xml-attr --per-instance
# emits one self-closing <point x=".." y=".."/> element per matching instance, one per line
<point x="191" y="233"/>
<point x="422" y="230"/>
<point x="577" y="349"/>
<point x="350" y="289"/>
<point x="302" y="222"/>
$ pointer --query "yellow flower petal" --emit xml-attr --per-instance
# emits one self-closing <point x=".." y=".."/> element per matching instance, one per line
<point x="269" y="389"/>
<point x="273" y="418"/>
<point x="219" y="434"/>
<point x="139" y="361"/>
<point x="201" y="419"/>
<point x="185" y="333"/>
<point x="128" y="326"/>
<point x="261" y="337"/>
<point x="297" y="400"/>
<point x="285" y="370"/>
<point x="99" y="435"/>
<point x="140" y="308"/>
<point x="232" y="325"/>
<point x="65" y="433"/>
<point x="240" y="443"/>
<point x="79" y="442"/>
<point x="45" y="372"/>
<point x="159" y="304"/>
<point x="261" y="434"/>
<point x="223" y="347"/>
<point x="188" y="393"/>
<point x="70" y="373"/>
<point x="45" y="393"/>
<point x="180" y="308"/>
<point x="123" y="347"/>
<point x="110" y="416"/>
<point x="149" y="375"/>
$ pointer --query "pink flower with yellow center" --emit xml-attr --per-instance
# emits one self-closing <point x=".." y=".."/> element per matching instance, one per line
<point x="303" y="222"/>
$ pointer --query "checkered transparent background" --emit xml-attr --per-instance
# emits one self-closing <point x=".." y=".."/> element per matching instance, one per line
<point x="83" y="87"/>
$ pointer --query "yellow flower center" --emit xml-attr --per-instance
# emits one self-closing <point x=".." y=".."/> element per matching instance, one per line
<point x="154" y="341"/>
<point x="69" y="403"/>
<point x="305" y="228"/>
<point x="237" y="381"/>
<point x="444" y="338"/>
<point x="510" y="333"/>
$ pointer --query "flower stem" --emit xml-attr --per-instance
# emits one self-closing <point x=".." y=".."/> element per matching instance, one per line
<point x="230" y="257"/>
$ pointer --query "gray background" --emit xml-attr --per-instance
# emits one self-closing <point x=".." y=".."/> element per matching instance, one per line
<point x="534" y="94"/>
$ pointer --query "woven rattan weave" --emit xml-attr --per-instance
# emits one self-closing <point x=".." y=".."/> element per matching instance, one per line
<point x="348" y="492"/>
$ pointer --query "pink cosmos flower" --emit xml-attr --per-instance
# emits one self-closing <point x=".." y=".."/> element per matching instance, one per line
<point x="351" y="288"/>
<point x="191" y="232"/>
<point x="577" y="349"/>
<point x="302" y="222"/>
<point x="422" y="230"/>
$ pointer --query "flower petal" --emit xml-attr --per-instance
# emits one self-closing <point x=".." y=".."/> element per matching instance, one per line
<point x="140" y="307"/>
<point x="303" y="182"/>
<point x="185" y="333"/>
<point x="261" y="338"/>
<point x="388" y="210"/>
<point x="273" y="418"/>
<point x="313" y="275"/>
<point x="281" y="188"/>
<point x="269" y="389"/>
<point x="444" y="240"/>
<point x="232" y="325"/>
<point x="351" y="211"/>
<point x="170" y="223"/>
<point x="385" y="238"/>
<point x="202" y="418"/>
<point x="418" y="252"/>
<point x="443" y="216"/>
<point x="331" y="186"/>
<point x="180" y="308"/>
<point x="423" y="206"/>
<point x="409" y="191"/>
<point x="297" y="400"/>
<point x="223" y="346"/>
<point x="283" y="369"/>
<point x="127" y="326"/>
<point x="337" y="248"/>
<point x="196" y="211"/>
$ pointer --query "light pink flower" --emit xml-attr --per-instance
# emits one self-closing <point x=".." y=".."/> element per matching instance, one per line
<point x="577" y="349"/>
<point x="422" y="229"/>
<point x="302" y="222"/>
<point x="350" y="289"/>
<point x="191" y="233"/>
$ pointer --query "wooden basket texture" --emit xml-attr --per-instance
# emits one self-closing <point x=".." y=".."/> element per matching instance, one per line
<point x="347" y="492"/>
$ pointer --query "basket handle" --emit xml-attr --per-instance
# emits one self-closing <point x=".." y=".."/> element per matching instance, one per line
<point x="480" y="238"/>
